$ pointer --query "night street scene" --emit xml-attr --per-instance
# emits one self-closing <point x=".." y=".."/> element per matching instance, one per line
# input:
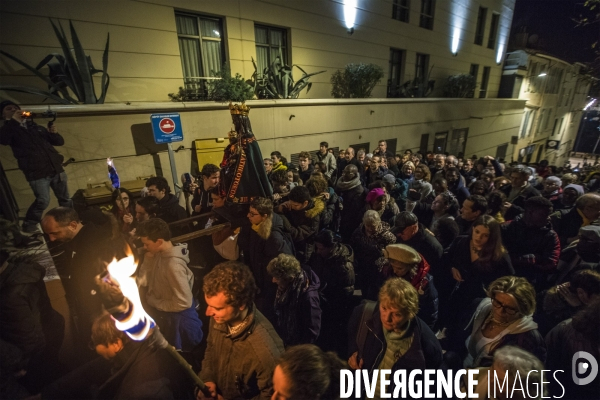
<point x="299" y="200"/>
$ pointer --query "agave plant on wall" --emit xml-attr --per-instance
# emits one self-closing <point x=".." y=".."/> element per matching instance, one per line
<point x="277" y="80"/>
<point x="70" y="74"/>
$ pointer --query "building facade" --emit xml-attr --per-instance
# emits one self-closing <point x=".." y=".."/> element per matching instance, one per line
<point x="556" y="93"/>
<point x="157" y="46"/>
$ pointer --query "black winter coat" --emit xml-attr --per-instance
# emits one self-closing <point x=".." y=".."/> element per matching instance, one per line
<point x="140" y="371"/>
<point x="307" y="313"/>
<point x="566" y="224"/>
<point x="425" y="351"/>
<point x="353" y="201"/>
<point x="464" y="226"/>
<point x="78" y="262"/>
<point x="563" y="342"/>
<point x="518" y="204"/>
<point x="170" y="210"/>
<point x="428" y="246"/>
<point x="303" y="225"/>
<point x="522" y="241"/>
<point x="33" y="147"/>
<point x="260" y="250"/>
<point x="201" y="198"/>
<point x="27" y="318"/>
<point x="330" y="217"/>
<point x="336" y="274"/>
<point x="476" y="277"/>
<point x="305" y="175"/>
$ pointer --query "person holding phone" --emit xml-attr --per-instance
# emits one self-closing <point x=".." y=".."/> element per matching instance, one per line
<point x="33" y="147"/>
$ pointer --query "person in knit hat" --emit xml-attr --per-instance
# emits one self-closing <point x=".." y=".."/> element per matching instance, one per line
<point x="571" y="193"/>
<point x="33" y="147"/>
<point x="380" y="201"/>
<point x="553" y="191"/>
<point x="402" y="261"/>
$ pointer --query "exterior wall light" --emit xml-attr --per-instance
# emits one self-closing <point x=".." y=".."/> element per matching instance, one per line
<point x="350" y="14"/>
<point x="589" y="104"/>
<point x="499" y="54"/>
<point x="542" y="74"/>
<point x="455" y="39"/>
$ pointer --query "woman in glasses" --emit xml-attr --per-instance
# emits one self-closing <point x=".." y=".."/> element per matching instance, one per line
<point x="504" y="318"/>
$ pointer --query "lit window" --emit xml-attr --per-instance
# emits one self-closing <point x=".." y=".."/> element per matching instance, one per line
<point x="201" y="49"/>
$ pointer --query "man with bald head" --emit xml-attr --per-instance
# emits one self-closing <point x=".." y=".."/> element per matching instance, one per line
<point x="567" y="222"/>
<point x="350" y="188"/>
<point x="80" y="252"/>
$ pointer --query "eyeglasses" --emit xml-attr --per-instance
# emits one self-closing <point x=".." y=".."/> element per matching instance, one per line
<point x="253" y="214"/>
<point x="507" y="309"/>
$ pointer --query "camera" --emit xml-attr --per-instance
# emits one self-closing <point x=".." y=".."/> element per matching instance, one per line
<point x="45" y="114"/>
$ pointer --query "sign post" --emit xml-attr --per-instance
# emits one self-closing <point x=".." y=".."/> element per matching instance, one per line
<point x="167" y="129"/>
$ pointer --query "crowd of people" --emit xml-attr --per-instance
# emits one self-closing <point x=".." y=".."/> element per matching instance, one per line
<point x="358" y="261"/>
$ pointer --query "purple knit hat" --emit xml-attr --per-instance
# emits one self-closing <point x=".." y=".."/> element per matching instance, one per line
<point x="375" y="193"/>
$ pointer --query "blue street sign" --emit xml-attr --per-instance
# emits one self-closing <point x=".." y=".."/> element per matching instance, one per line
<point x="166" y="128"/>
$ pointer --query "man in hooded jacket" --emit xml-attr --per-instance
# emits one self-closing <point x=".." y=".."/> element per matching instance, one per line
<point x="166" y="286"/>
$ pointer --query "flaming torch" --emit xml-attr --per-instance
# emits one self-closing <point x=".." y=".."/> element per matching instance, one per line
<point x="121" y="298"/>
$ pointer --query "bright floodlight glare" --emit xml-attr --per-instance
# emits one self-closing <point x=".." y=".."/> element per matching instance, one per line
<point x="499" y="54"/>
<point x="455" y="39"/>
<point x="542" y="74"/>
<point x="350" y="13"/>
<point x="589" y="104"/>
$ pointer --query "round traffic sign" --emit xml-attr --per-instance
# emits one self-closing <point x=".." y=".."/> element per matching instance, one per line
<point x="167" y="125"/>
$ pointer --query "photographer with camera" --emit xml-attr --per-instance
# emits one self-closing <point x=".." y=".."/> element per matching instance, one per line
<point x="33" y="147"/>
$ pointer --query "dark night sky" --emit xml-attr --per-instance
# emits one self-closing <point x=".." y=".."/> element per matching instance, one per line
<point x="557" y="33"/>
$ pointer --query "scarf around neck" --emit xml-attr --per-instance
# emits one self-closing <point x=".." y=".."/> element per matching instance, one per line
<point x="343" y="186"/>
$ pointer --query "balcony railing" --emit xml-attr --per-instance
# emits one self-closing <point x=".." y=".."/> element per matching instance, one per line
<point x="195" y="88"/>
<point x="516" y="60"/>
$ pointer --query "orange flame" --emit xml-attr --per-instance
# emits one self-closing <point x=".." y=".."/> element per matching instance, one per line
<point x="121" y="272"/>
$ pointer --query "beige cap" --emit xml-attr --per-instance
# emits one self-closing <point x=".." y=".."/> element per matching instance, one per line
<point x="403" y="253"/>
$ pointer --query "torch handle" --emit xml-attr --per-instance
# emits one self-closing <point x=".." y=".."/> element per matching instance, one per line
<point x="181" y="361"/>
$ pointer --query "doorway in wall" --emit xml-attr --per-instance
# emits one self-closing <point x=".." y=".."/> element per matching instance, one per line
<point x="439" y="144"/>
<point x="364" y="146"/>
<point x="391" y="145"/>
<point x="424" y="143"/>
<point x="501" y="151"/>
<point x="458" y="141"/>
